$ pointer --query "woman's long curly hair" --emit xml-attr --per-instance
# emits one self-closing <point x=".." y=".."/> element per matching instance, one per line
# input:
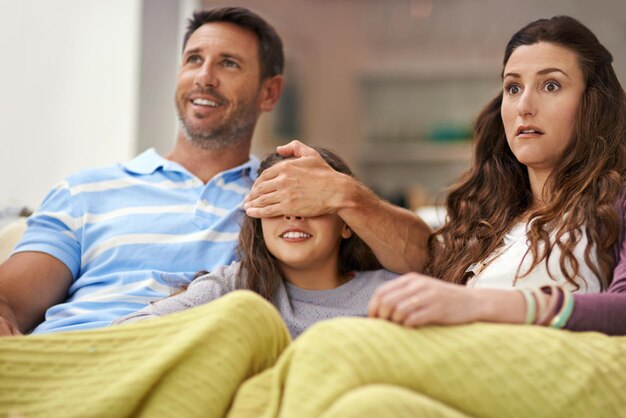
<point x="260" y="271"/>
<point x="581" y="194"/>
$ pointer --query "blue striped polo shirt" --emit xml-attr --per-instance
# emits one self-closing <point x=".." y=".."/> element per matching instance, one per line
<point x="135" y="233"/>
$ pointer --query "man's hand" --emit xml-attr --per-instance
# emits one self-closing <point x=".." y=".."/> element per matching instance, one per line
<point x="304" y="186"/>
<point x="307" y="186"/>
<point x="8" y="328"/>
<point x="30" y="282"/>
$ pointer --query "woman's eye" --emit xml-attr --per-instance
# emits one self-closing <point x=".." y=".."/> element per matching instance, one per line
<point x="513" y="89"/>
<point x="551" y="86"/>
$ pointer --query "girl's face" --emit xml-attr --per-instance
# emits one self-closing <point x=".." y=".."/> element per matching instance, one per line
<point x="543" y="87"/>
<point x="304" y="243"/>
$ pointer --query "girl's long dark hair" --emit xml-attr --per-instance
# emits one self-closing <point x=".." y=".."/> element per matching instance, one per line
<point x="259" y="270"/>
<point x="580" y="194"/>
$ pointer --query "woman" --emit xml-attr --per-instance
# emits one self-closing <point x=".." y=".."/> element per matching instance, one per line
<point x="556" y="134"/>
<point x="541" y="207"/>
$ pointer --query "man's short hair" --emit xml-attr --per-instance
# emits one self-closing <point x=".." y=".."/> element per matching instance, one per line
<point x="271" y="58"/>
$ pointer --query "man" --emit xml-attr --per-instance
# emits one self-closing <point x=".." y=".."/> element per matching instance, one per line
<point x="105" y="242"/>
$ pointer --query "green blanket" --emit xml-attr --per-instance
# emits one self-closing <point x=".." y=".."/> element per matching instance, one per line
<point x="185" y="365"/>
<point x="372" y="368"/>
<point x="233" y="356"/>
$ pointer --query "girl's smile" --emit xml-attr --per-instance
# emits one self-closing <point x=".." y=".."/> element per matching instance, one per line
<point x="295" y="235"/>
<point x="307" y="249"/>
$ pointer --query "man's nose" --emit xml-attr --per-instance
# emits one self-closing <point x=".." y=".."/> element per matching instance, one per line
<point x="207" y="76"/>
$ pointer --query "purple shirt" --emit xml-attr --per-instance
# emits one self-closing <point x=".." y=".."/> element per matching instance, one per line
<point x="605" y="312"/>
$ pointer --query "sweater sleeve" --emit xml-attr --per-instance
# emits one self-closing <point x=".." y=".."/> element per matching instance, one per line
<point x="202" y="290"/>
<point x="604" y="312"/>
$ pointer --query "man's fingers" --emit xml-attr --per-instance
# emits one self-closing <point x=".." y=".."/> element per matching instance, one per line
<point x="295" y="149"/>
<point x="264" y="212"/>
<point x="262" y="186"/>
<point x="7" y="329"/>
<point x="268" y="174"/>
<point x="266" y="198"/>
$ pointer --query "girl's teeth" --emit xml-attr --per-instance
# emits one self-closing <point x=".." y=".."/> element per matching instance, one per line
<point x="294" y="235"/>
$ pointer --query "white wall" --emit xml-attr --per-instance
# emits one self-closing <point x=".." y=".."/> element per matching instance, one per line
<point x="160" y="48"/>
<point x="68" y="90"/>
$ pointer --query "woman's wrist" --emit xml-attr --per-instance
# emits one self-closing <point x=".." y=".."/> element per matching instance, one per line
<point x="502" y="306"/>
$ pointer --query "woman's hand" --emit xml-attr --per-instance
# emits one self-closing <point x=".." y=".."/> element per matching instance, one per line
<point x="414" y="300"/>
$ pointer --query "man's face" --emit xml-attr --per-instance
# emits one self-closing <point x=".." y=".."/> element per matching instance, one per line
<point x="217" y="93"/>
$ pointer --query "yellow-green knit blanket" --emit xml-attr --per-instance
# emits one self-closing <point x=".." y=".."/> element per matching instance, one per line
<point x="185" y="365"/>
<point x="192" y="364"/>
<point x="371" y="368"/>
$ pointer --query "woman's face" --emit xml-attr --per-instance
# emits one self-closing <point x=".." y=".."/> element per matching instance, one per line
<point x="304" y="243"/>
<point x="543" y="87"/>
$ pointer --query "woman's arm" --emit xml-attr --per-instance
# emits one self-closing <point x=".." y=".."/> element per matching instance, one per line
<point x="416" y="300"/>
<point x="604" y="312"/>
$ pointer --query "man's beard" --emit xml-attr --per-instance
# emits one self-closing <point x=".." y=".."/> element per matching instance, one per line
<point x="234" y="130"/>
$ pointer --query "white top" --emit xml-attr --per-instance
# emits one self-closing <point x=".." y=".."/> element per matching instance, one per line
<point x="501" y="271"/>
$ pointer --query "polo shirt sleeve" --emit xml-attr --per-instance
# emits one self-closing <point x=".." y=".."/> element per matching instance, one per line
<point x="51" y="229"/>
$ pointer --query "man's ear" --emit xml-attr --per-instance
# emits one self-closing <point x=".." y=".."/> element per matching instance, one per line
<point x="271" y="90"/>
<point x="346" y="232"/>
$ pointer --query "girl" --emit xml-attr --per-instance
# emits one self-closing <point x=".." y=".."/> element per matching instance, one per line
<point x="310" y="269"/>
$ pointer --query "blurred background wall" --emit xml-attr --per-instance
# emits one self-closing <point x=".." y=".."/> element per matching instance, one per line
<point x="391" y="85"/>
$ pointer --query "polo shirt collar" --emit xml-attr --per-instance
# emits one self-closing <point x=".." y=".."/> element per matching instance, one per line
<point x="247" y="169"/>
<point x="146" y="163"/>
<point x="150" y="161"/>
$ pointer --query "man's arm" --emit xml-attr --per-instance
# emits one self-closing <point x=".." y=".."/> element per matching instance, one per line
<point x="30" y="282"/>
<point x="307" y="186"/>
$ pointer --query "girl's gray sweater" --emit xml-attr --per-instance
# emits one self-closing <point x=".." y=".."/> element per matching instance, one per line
<point x="300" y="308"/>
